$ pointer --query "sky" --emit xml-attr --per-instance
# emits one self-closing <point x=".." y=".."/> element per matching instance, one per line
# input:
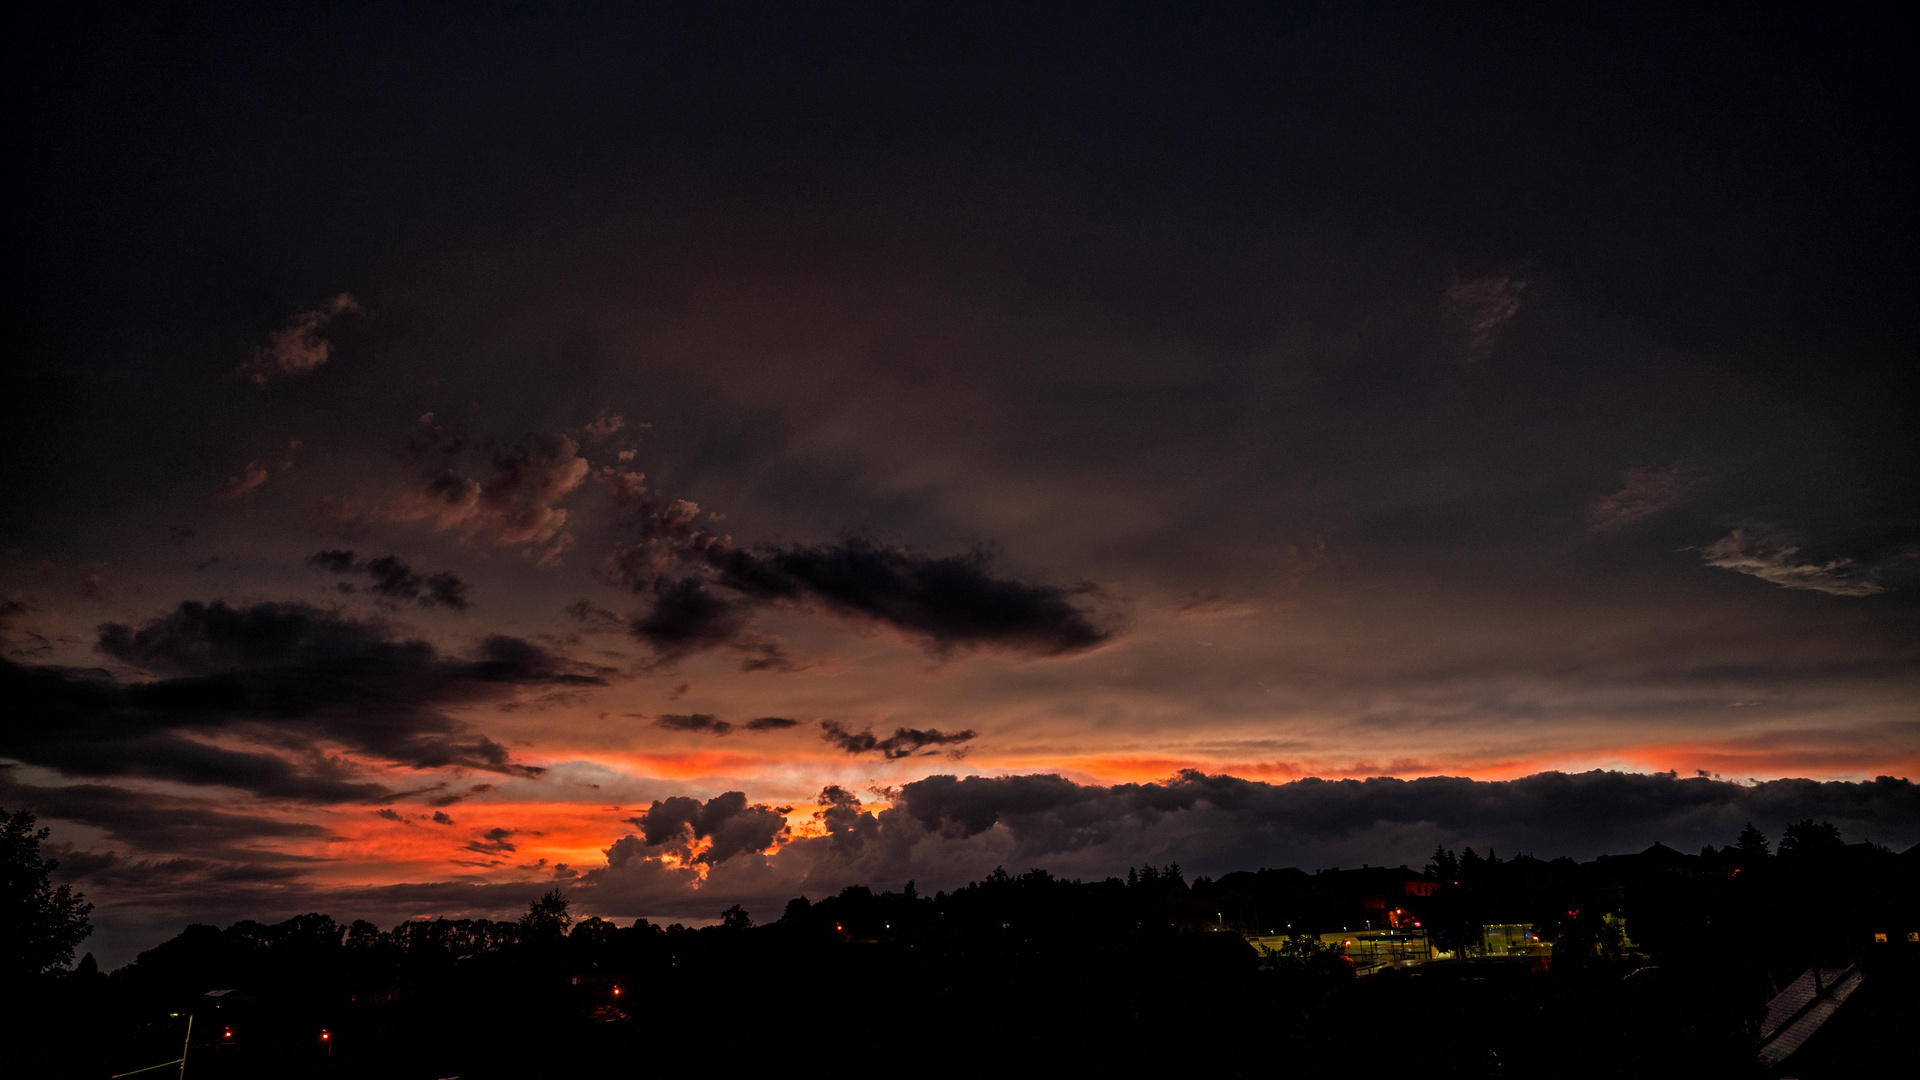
<point x="709" y="454"/>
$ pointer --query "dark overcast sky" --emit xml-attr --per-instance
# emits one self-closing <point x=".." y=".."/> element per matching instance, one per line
<point x="525" y="413"/>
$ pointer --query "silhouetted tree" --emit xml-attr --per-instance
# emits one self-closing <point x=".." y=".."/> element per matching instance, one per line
<point x="1444" y="865"/>
<point x="736" y="918"/>
<point x="593" y="933"/>
<point x="1752" y="842"/>
<point x="1808" y="838"/>
<point x="1471" y="864"/>
<point x="41" y="923"/>
<point x="547" y="916"/>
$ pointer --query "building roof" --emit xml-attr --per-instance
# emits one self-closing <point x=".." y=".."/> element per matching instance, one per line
<point x="1797" y="1012"/>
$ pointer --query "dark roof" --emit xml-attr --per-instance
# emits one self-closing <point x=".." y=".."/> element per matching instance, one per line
<point x="1661" y="853"/>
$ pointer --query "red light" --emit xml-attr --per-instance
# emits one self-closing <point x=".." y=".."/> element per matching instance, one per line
<point x="227" y="1034"/>
<point x="616" y="991"/>
<point x="324" y="1036"/>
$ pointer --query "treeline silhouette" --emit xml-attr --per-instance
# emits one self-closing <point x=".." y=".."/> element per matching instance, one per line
<point x="1660" y="965"/>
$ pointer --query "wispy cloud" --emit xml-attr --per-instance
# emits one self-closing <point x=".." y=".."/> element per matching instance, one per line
<point x="515" y="502"/>
<point x="1483" y="305"/>
<point x="250" y="478"/>
<point x="904" y="742"/>
<point x="297" y="348"/>
<point x="1781" y="566"/>
<point x="1645" y="492"/>
<point x="255" y="474"/>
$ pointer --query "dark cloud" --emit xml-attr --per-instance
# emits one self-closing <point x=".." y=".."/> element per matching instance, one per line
<point x="493" y="842"/>
<point x="1227" y="819"/>
<point x="948" y="601"/>
<point x="701" y="722"/>
<point x="440" y="817"/>
<point x="85" y="724"/>
<point x="975" y="804"/>
<point x="594" y="618"/>
<point x="448" y="798"/>
<point x="841" y="815"/>
<point x="175" y="825"/>
<point x="704" y="587"/>
<point x="429" y="437"/>
<point x="709" y="724"/>
<point x="395" y="580"/>
<point x="944" y="831"/>
<point x="904" y="742"/>
<point x="733" y="826"/>
<point x="108" y="870"/>
<point x="291" y="680"/>
<point x="687" y="618"/>
<point x="335" y="561"/>
<point x="20" y="642"/>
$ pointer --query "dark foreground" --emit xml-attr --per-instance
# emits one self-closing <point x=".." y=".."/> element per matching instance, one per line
<point x="1026" y="976"/>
